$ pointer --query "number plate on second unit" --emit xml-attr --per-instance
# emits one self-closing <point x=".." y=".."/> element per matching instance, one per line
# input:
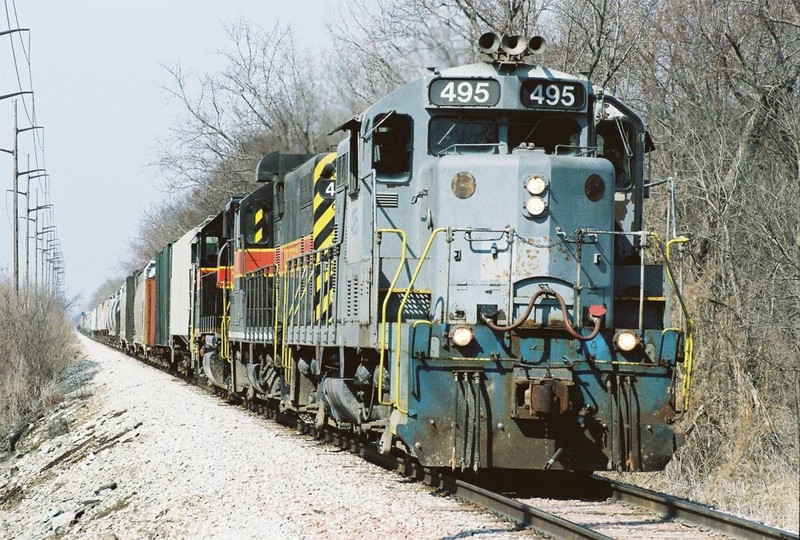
<point x="547" y="94"/>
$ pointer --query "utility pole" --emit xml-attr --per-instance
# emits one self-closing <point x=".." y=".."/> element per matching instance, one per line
<point x="28" y="218"/>
<point x="48" y="230"/>
<point x="16" y="192"/>
<point x="35" y="220"/>
<point x="15" y="176"/>
<point x="15" y="153"/>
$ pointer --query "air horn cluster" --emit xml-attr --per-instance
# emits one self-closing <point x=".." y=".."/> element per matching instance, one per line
<point x="510" y="48"/>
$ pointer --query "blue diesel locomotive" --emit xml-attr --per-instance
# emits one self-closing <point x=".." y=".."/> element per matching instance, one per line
<point x="467" y="279"/>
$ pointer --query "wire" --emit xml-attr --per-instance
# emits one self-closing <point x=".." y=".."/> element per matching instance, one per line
<point x="30" y="112"/>
<point x="37" y="136"/>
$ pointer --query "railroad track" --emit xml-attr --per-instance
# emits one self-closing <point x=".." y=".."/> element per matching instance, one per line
<point x="635" y="512"/>
<point x="592" y="507"/>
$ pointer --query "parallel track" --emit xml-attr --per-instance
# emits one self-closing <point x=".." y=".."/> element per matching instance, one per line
<point x="666" y="506"/>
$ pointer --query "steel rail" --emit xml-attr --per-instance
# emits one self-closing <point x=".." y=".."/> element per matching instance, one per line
<point x="672" y="507"/>
<point x="524" y="514"/>
<point x="514" y="510"/>
<point x="667" y="506"/>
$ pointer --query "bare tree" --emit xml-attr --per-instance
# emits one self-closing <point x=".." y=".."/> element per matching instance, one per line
<point x="720" y="81"/>
<point x="386" y="43"/>
<point x="600" y="38"/>
<point x="103" y="291"/>
<point x="164" y="223"/>
<point x="267" y="98"/>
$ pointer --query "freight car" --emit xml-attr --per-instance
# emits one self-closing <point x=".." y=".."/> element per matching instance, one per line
<point x="468" y="278"/>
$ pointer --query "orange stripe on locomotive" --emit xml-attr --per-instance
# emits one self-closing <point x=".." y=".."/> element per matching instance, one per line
<point x="294" y="249"/>
<point x="224" y="280"/>
<point x="248" y="260"/>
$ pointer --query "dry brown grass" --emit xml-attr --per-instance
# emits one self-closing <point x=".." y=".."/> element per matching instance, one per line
<point x="36" y="345"/>
<point x="742" y="453"/>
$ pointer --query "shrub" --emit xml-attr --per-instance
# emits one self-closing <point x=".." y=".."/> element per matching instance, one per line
<point x="36" y="345"/>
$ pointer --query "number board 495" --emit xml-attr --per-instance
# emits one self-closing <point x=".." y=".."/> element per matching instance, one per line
<point x="464" y="92"/>
<point x="548" y="94"/>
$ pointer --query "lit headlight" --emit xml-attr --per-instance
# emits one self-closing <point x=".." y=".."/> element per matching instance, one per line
<point x="536" y="185"/>
<point x="461" y="335"/>
<point x="626" y="341"/>
<point x="536" y="206"/>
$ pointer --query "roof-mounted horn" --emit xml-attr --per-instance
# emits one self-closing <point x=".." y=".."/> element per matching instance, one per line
<point x="537" y="45"/>
<point x="510" y="49"/>
<point x="489" y="43"/>
<point x="513" y="45"/>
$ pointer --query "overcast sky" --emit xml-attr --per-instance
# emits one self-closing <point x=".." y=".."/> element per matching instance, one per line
<point x="97" y="76"/>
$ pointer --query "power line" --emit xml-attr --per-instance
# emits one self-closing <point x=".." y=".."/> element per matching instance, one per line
<point x="55" y="274"/>
<point x="30" y="114"/>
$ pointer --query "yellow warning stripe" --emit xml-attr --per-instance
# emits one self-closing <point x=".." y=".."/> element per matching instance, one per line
<point x="324" y="210"/>
<point x="259" y="227"/>
<point x="324" y="207"/>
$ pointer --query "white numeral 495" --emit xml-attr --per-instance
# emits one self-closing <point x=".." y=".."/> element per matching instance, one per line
<point x="466" y="92"/>
<point x="551" y="94"/>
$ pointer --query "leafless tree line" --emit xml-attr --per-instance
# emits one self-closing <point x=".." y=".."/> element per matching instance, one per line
<point x="718" y="82"/>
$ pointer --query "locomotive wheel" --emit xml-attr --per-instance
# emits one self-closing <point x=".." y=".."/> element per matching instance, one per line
<point x="320" y="419"/>
<point x="385" y="442"/>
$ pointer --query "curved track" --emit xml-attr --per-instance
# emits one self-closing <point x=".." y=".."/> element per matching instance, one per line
<point x="589" y="507"/>
<point x="612" y="510"/>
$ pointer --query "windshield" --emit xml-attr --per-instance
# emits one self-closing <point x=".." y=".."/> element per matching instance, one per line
<point x="543" y="132"/>
<point x="448" y="132"/>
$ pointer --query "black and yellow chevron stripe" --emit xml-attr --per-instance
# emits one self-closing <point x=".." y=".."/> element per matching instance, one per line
<point x="324" y="233"/>
<point x="259" y="226"/>
<point x="324" y="186"/>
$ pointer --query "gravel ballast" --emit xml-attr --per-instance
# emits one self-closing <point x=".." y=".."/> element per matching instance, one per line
<point x="136" y="453"/>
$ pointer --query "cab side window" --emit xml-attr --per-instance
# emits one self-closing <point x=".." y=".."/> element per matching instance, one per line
<point x="391" y="144"/>
<point x="210" y="249"/>
<point x="256" y="225"/>
<point x="615" y="139"/>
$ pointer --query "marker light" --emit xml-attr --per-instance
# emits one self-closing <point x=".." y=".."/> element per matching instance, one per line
<point x="626" y="341"/>
<point x="463" y="185"/>
<point x="536" y="185"/>
<point x="536" y="206"/>
<point x="461" y="335"/>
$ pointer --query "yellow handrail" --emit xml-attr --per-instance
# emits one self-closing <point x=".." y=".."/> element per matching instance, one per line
<point x="402" y="235"/>
<point x="688" y="346"/>
<point x="224" y="349"/>
<point x="279" y="286"/>
<point x="400" y="314"/>
<point x="284" y="349"/>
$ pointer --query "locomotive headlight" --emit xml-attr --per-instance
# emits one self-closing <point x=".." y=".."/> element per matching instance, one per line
<point x="461" y="335"/>
<point x="536" y="206"/>
<point x="536" y="185"/>
<point x="626" y="341"/>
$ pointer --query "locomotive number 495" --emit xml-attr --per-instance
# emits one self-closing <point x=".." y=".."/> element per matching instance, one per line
<point x="540" y="94"/>
<point x="464" y="92"/>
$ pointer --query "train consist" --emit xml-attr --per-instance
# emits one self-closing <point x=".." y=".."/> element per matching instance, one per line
<point x="468" y="278"/>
